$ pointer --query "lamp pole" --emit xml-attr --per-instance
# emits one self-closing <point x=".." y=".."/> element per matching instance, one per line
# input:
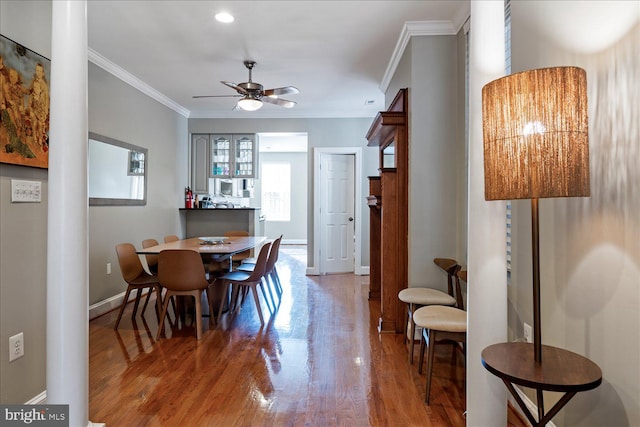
<point x="535" y="248"/>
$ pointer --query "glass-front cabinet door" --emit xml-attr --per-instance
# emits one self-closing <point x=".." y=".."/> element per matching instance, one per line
<point x="245" y="146"/>
<point x="221" y="159"/>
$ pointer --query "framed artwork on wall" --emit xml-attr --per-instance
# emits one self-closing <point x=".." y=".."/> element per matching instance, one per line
<point x="24" y="105"/>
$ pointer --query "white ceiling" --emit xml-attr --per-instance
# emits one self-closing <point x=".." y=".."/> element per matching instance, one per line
<point x="335" y="52"/>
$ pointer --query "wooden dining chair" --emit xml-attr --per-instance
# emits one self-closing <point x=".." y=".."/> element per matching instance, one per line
<point x="416" y="297"/>
<point x="136" y="278"/>
<point x="441" y="323"/>
<point x="270" y="276"/>
<point x="152" y="265"/>
<point x="182" y="273"/>
<point x="242" y="279"/>
<point x="171" y="238"/>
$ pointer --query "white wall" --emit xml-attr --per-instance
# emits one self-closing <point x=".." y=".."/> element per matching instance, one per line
<point x="589" y="247"/>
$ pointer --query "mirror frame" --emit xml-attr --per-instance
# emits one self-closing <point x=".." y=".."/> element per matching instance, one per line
<point x="100" y="201"/>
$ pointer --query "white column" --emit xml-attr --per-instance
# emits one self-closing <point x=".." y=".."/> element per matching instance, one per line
<point x="67" y="246"/>
<point x="487" y="291"/>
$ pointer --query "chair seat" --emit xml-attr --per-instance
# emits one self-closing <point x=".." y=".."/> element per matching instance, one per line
<point x="144" y="279"/>
<point x="425" y="296"/>
<point x="441" y="318"/>
<point x="235" y="276"/>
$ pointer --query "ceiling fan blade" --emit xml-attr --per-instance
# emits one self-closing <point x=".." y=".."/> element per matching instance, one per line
<point x="216" y="96"/>
<point x="279" y="101"/>
<point x="234" y="86"/>
<point x="286" y="90"/>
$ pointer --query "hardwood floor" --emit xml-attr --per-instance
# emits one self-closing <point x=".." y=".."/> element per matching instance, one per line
<point x="319" y="361"/>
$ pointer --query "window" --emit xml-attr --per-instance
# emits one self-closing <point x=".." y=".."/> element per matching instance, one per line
<point x="276" y="191"/>
<point x="507" y="56"/>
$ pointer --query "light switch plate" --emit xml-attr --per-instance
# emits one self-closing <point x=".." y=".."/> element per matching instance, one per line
<point x="26" y="191"/>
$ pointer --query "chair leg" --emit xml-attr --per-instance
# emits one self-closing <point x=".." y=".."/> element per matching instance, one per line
<point x="265" y="282"/>
<point x="264" y="294"/>
<point x="274" y="274"/>
<point x="226" y="290"/>
<point x="423" y="341"/>
<point x="255" y="297"/>
<point x="124" y="303"/>
<point x="432" y="343"/>
<point x="146" y="302"/>
<point x="163" y="314"/>
<point x="136" y="303"/>
<point x="158" y="290"/>
<point x="198" y="298"/>
<point x="412" y="337"/>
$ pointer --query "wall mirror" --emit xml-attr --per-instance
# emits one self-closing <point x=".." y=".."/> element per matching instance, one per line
<point x="117" y="172"/>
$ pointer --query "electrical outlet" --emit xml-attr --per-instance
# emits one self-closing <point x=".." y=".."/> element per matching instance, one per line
<point x="108" y="268"/>
<point x="527" y="332"/>
<point x="16" y="346"/>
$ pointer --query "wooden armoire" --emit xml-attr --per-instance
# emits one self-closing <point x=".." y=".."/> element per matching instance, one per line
<point x="388" y="205"/>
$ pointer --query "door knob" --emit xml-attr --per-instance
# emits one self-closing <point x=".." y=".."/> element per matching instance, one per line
<point x="350" y="218"/>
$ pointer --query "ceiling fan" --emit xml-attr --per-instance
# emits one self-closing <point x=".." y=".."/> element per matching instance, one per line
<point x="252" y="94"/>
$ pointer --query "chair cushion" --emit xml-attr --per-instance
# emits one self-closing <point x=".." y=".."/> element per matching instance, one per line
<point x="441" y="318"/>
<point x="425" y="296"/>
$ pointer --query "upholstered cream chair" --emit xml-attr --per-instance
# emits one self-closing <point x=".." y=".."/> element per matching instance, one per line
<point x="440" y="323"/>
<point x="416" y="297"/>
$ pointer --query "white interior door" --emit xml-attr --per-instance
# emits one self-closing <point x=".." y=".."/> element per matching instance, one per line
<point x="337" y="212"/>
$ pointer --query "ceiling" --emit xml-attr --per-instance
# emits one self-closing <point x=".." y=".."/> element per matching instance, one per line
<point x="336" y="53"/>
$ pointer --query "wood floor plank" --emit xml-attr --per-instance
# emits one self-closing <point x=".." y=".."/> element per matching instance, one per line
<point x="319" y="361"/>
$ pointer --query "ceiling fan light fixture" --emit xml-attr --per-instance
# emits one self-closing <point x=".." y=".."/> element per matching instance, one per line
<point x="224" y="17"/>
<point x="249" y="104"/>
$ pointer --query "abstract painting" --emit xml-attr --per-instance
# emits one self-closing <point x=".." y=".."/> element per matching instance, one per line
<point x="24" y="105"/>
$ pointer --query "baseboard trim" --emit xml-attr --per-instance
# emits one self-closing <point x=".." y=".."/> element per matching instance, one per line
<point x="38" y="400"/>
<point x="294" y="241"/>
<point x="105" y="306"/>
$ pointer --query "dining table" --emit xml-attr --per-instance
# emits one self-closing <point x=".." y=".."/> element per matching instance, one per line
<point x="215" y="251"/>
<point x="218" y="248"/>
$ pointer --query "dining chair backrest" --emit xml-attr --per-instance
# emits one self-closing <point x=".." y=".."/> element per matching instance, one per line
<point x="261" y="263"/>
<point x="451" y="267"/>
<point x="273" y="254"/>
<point x="460" y="275"/>
<point x="181" y="270"/>
<point x="152" y="260"/>
<point x="171" y="238"/>
<point x="130" y="264"/>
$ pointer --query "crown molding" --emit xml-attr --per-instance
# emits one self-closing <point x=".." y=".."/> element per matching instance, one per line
<point x="132" y="80"/>
<point x="414" y="29"/>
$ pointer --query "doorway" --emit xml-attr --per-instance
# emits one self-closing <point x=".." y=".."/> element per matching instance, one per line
<point x="337" y="211"/>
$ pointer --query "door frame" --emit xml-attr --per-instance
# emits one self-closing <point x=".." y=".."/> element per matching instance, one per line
<point x="316" y="269"/>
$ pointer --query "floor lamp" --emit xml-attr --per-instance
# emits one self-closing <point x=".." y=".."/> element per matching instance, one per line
<point x="536" y="145"/>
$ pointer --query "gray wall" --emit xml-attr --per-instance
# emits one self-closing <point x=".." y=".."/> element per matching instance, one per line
<point x="589" y="247"/>
<point x="321" y="133"/>
<point x="296" y="229"/>
<point x="429" y="70"/>
<point x="121" y="112"/>
<point x="23" y="236"/>
<point x="115" y="110"/>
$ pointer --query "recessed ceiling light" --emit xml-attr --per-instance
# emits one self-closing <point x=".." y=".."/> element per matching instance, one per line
<point x="224" y="17"/>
